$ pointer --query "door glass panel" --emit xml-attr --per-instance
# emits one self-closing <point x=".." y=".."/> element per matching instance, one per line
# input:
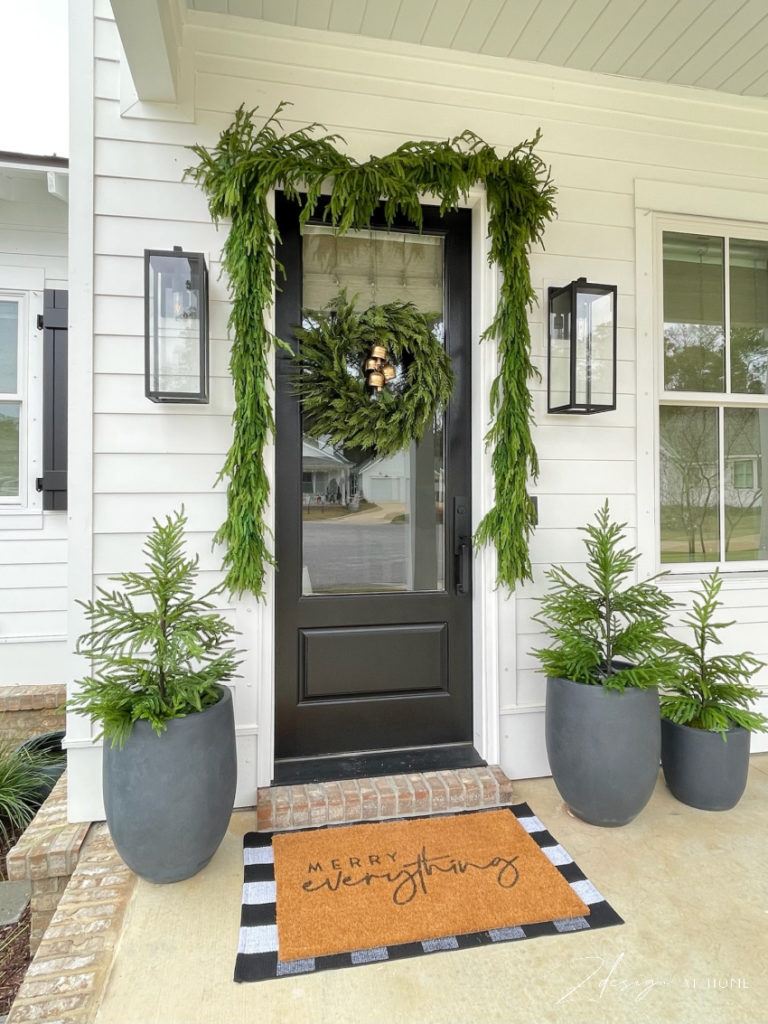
<point x="373" y="525"/>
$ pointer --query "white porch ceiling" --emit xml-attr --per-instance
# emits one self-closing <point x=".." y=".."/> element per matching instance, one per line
<point x="708" y="44"/>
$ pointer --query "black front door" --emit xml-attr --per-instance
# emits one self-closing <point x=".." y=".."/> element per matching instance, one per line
<point x="373" y="603"/>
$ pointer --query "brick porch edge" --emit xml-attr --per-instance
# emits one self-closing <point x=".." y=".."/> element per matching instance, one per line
<point x="80" y="893"/>
<point x="66" y="980"/>
<point x="393" y="796"/>
<point x="26" y="711"/>
<point x="46" y="855"/>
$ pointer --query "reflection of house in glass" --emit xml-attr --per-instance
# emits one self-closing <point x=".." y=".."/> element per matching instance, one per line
<point x="326" y="476"/>
<point x="713" y="500"/>
<point x="387" y="479"/>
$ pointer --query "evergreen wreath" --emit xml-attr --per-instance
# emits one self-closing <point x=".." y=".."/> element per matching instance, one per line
<point x="335" y="396"/>
<point x="239" y="174"/>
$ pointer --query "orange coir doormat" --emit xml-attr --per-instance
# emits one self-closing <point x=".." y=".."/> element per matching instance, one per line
<point x="378" y="884"/>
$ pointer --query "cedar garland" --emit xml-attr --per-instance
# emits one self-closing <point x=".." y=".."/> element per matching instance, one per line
<point x="238" y="175"/>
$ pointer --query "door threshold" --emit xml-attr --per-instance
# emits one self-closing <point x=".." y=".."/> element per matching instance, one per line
<point x="281" y="808"/>
<point x="372" y="764"/>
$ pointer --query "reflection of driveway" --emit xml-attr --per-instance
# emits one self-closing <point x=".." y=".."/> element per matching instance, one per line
<point x="384" y="512"/>
<point x="368" y="557"/>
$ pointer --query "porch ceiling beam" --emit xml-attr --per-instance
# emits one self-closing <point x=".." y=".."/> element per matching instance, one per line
<point x="150" y="35"/>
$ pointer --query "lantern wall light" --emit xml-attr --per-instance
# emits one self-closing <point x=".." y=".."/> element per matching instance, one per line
<point x="581" y="349"/>
<point x="175" y="326"/>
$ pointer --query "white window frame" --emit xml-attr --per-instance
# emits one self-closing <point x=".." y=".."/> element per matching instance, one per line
<point x="674" y="206"/>
<point x="726" y="230"/>
<point x="26" y="287"/>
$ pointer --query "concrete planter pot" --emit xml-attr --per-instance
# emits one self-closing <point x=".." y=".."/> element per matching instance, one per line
<point x="169" y="798"/>
<point x="701" y="769"/>
<point x="604" y="748"/>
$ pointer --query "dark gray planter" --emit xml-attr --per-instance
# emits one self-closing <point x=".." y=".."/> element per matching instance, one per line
<point x="169" y="798"/>
<point x="603" y="748"/>
<point x="701" y="769"/>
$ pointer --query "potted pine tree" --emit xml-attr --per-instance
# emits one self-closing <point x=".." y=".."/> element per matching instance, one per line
<point x="707" y="720"/>
<point x="159" y="658"/>
<point x="603" y="666"/>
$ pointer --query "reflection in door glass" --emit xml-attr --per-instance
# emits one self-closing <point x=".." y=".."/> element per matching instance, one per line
<point x="373" y="525"/>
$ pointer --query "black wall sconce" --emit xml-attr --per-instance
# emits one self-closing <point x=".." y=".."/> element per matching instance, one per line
<point x="175" y="326"/>
<point x="581" y="351"/>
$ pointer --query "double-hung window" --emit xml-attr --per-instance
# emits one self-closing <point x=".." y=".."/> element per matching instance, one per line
<point x="12" y="398"/>
<point x="713" y="414"/>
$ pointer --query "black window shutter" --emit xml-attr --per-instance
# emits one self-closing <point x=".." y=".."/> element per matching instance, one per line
<point x="53" y="482"/>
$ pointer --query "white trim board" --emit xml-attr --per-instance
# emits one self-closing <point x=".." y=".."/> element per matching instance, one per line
<point x="84" y="797"/>
<point x="700" y="201"/>
<point x="655" y="201"/>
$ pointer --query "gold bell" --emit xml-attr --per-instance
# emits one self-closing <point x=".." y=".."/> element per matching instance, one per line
<point x="378" y="352"/>
<point x="376" y="380"/>
<point x="372" y="364"/>
<point x="389" y="371"/>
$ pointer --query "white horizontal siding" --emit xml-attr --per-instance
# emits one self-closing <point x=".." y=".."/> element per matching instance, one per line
<point x="120" y="552"/>
<point x="33" y="597"/>
<point x="122" y="513"/>
<point x="176" y="431"/>
<point x="599" y="136"/>
<point x="35" y="659"/>
<point x="124" y="393"/>
<point x="18" y="628"/>
<point x="117" y="197"/>
<point x="130" y="237"/>
<point x="157" y="473"/>
<point x="32" y="600"/>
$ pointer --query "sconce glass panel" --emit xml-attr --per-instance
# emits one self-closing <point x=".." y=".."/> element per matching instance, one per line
<point x="560" y="349"/>
<point x="175" y="326"/>
<point x="581" y="354"/>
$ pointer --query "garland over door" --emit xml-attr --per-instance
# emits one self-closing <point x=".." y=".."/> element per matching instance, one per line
<point x="373" y="588"/>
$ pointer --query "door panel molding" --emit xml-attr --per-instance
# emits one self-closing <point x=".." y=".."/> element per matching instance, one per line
<point x="411" y="659"/>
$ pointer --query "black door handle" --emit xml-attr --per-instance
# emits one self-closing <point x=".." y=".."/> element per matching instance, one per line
<point x="462" y="544"/>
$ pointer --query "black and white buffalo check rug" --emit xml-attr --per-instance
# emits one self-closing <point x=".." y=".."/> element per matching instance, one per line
<point x="258" y="956"/>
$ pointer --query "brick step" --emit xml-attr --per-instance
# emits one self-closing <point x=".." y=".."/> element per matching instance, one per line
<point x="280" y="808"/>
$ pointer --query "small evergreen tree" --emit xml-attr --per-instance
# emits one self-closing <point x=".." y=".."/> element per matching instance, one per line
<point x="157" y="651"/>
<point x="712" y="693"/>
<point x="607" y="632"/>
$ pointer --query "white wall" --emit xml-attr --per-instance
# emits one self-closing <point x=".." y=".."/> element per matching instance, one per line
<point x="33" y="543"/>
<point x="599" y="134"/>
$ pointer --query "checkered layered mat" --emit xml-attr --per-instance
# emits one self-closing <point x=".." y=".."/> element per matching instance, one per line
<point x="258" y="956"/>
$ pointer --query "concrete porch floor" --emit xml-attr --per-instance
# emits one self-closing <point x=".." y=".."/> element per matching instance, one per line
<point x="691" y="885"/>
